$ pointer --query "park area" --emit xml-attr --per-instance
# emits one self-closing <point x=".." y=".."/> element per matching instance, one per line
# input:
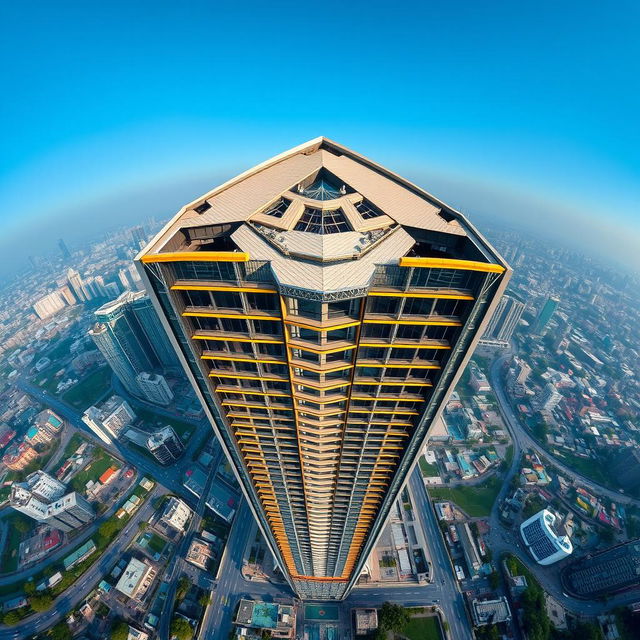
<point x="422" y="628"/>
<point x="475" y="500"/>
<point x="90" y="389"/>
<point x="100" y="462"/>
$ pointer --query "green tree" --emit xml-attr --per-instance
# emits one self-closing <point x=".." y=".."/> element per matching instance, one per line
<point x="184" y="584"/>
<point x="11" y="617"/>
<point x="494" y="580"/>
<point x="20" y="523"/>
<point x="393" y="617"/>
<point x="205" y="599"/>
<point x="41" y="602"/>
<point x="181" y="629"/>
<point x="61" y="632"/>
<point x="587" y="631"/>
<point x="29" y="588"/>
<point x="120" y="630"/>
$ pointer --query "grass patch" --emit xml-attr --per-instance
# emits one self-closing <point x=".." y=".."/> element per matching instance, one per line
<point x="428" y="470"/>
<point x="99" y="464"/>
<point x="588" y="467"/>
<point x="508" y="455"/>
<point x="90" y="389"/>
<point x="183" y="429"/>
<point x="157" y="544"/>
<point x="76" y="440"/>
<point x="423" y="629"/>
<point x="475" y="500"/>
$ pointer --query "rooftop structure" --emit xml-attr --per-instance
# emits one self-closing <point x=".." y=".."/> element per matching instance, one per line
<point x="490" y="611"/>
<point x="176" y="513"/>
<point x="165" y="445"/>
<point x="543" y="542"/>
<point x="366" y="621"/>
<point x="323" y="308"/>
<point x="110" y="418"/>
<point x="222" y="500"/>
<point x="277" y="618"/>
<point x="604" y="573"/>
<point x="200" y="553"/>
<point x="79" y="555"/>
<point x="136" y="579"/>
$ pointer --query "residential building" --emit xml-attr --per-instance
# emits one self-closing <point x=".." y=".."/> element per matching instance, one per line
<point x="67" y="295"/>
<point x="504" y="321"/>
<point x="49" y="305"/>
<point x="110" y="418"/>
<point x="136" y="579"/>
<point x="545" y="543"/>
<point x="165" y="445"/>
<point x="548" y="309"/>
<point x="200" y="553"/>
<point x="176" y="514"/>
<point x="77" y="286"/>
<point x="130" y="337"/>
<point x="154" y="388"/>
<point x="490" y="611"/>
<point x="18" y="457"/>
<point x="49" y="420"/>
<point x="323" y="309"/>
<point x="478" y="380"/>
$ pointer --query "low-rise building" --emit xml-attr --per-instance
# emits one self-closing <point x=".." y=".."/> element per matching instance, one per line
<point x="200" y="553"/>
<point x="490" y="611"/>
<point x="136" y="579"/>
<point x="109" y="418"/>
<point x="79" y="555"/>
<point x="366" y="621"/>
<point x="278" y="619"/>
<point x="176" y="514"/>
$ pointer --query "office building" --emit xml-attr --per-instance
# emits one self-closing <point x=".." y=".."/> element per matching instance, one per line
<point x="602" y="574"/>
<point x="323" y="308"/>
<point x="154" y="388"/>
<point x="548" y="399"/>
<point x="130" y="337"/>
<point x="136" y="579"/>
<point x="44" y="487"/>
<point x="165" y="445"/>
<point x="109" y="419"/>
<point x="548" y="309"/>
<point x="504" y="321"/>
<point x="545" y="543"/>
<point x="70" y="512"/>
<point x="64" y="250"/>
<point x="49" y="305"/>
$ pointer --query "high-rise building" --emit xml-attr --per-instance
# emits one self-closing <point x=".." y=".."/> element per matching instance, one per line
<point x="549" y="398"/>
<point x="155" y="388"/>
<point x="77" y="285"/>
<point x="323" y="308"/>
<point x="67" y="295"/>
<point x="129" y="335"/>
<point x="165" y="445"/>
<point x="64" y="250"/>
<point x="504" y="321"/>
<point x="70" y="512"/>
<point x="548" y="309"/>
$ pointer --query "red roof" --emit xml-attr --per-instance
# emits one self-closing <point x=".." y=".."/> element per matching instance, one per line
<point x="52" y="540"/>
<point x="108" y="474"/>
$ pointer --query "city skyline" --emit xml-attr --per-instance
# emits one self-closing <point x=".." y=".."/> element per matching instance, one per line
<point x="506" y="128"/>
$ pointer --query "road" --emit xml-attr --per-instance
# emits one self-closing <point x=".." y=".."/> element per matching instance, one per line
<point x="174" y="568"/>
<point x="68" y="600"/>
<point x="504" y="540"/>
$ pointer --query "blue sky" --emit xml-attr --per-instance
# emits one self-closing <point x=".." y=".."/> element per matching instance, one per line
<point x="535" y="102"/>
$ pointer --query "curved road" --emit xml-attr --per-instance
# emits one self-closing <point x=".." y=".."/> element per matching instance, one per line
<point x="503" y="540"/>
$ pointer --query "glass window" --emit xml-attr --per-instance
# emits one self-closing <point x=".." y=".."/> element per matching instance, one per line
<point x="322" y="221"/>
<point x="227" y="300"/>
<point x="383" y="305"/>
<point x="409" y="332"/>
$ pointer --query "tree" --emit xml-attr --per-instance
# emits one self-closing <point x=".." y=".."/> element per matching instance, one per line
<point x="494" y="580"/>
<point x="41" y="602"/>
<point x="587" y="631"/>
<point x="120" y="630"/>
<point x="11" y="618"/>
<point x="29" y="588"/>
<point x="205" y="599"/>
<point x="61" y="632"/>
<point x="20" y="523"/>
<point x="393" y="617"/>
<point x="181" y="629"/>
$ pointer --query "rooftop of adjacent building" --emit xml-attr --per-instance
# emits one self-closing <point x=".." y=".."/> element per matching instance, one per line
<point x="322" y="215"/>
<point x="160" y="437"/>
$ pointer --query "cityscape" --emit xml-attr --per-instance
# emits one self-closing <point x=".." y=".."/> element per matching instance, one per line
<point x="319" y="404"/>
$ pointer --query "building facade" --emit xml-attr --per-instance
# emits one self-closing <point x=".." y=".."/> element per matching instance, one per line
<point x="548" y="309"/>
<point x="155" y="388"/>
<point x="109" y="419"/>
<point x="130" y="337"/>
<point x="323" y="309"/>
<point x="165" y="445"/>
<point x="504" y="321"/>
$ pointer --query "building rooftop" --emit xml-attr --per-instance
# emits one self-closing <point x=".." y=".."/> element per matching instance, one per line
<point x="323" y="215"/>
<point x="490" y="611"/>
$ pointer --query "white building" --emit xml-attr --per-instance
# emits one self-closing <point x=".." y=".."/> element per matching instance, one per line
<point x="136" y="579"/>
<point x="176" y="514"/>
<point x="110" y="418"/>
<point x="155" y="388"/>
<point x="543" y="542"/>
<point x="44" y="486"/>
<point x="549" y="399"/>
<point x="49" y="305"/>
